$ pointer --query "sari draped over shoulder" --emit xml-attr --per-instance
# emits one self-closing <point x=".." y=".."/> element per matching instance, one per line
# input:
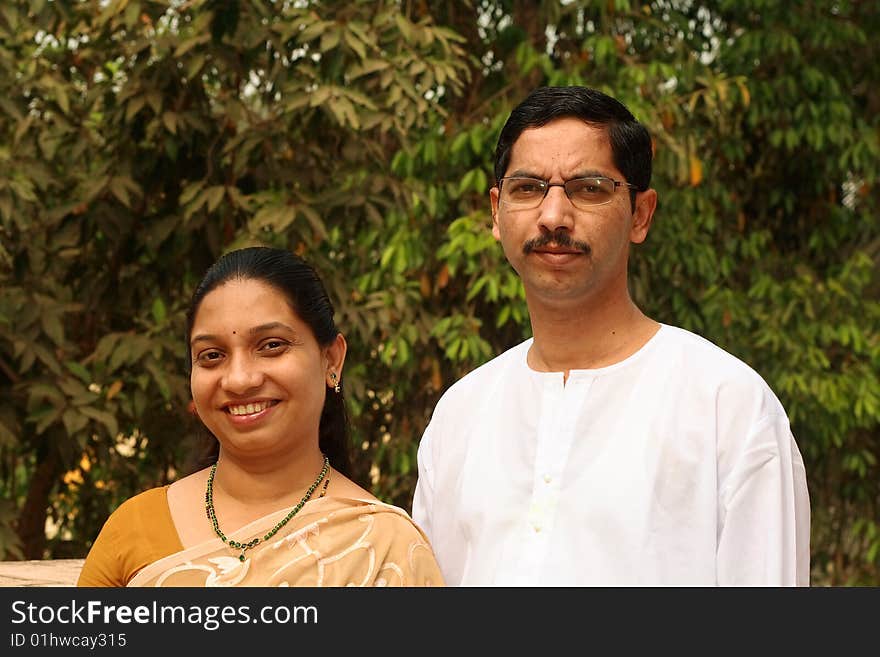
<point x="331" y="542"/>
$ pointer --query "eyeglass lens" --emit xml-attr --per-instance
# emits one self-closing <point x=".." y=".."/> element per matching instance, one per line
<point x="527" y="193"/>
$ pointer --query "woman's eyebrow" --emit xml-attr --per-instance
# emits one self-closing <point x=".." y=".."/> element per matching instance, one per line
<point x="262" y="328"/>
<point x="271" y="326"/>
<point x="203" y="337"/>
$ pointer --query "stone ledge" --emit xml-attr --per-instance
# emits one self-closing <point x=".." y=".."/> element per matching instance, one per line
<point x="52" y="572"/>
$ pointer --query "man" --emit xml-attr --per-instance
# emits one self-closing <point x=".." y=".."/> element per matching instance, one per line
<point x="609" y="449"/>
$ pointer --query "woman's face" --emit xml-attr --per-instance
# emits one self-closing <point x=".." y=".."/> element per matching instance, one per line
<point x="259" y="376"/>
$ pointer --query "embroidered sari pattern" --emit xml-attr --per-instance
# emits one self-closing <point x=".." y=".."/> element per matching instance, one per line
<point x="331" y="542"/>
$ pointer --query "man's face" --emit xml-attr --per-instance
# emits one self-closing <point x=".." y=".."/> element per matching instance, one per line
<point x="563" y="253"/>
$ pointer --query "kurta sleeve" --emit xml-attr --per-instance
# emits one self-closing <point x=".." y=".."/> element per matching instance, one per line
<point x="764" y="512"/>
<point x="424" y="493"/>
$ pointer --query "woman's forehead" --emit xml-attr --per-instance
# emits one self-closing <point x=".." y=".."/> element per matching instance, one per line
<point x="244" y="301"/>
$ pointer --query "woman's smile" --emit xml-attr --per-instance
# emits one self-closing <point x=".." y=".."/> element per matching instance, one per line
<point x="250" y="411"/>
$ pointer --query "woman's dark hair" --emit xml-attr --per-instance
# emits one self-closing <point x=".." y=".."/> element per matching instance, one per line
<point x="630" y="141"/>
<point x="301" y="285"/>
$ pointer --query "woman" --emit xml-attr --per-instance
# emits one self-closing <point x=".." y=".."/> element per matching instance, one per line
<point x="276" y="507"/>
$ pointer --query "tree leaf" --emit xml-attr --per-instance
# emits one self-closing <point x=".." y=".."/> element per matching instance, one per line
<point x="106" y="419"/>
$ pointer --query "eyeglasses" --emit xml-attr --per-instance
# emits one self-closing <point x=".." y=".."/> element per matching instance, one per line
<point x="523" y="193"/>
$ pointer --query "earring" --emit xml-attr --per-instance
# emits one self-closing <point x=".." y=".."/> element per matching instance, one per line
<point x="336" y="387"/>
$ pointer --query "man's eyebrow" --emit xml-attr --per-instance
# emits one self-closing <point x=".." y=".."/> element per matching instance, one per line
<point x="592" y="173"/>
<point x="523" y="173"/>
<point x="589" y="173"/>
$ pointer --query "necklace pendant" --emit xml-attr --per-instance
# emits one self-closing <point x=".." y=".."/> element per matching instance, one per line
<point x="244" y="547"/>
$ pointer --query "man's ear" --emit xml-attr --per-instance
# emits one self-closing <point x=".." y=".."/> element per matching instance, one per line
<point x="643" y="216"/>
<point x="493" y="199"/>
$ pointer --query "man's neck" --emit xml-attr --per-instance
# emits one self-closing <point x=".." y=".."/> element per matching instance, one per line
<point x="591" y="337"/>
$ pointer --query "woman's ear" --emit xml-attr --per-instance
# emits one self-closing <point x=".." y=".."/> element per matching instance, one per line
<point x="335" y="355"/>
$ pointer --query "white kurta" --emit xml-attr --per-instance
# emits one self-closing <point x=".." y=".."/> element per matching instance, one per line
<point x="674" y="467"/>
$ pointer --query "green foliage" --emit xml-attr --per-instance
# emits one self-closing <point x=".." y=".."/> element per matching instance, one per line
<point x="140" y="139"/>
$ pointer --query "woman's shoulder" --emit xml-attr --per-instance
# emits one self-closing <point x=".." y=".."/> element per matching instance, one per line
<point x="145" y="502"/>
<point x="390" y="520"/>
<point x="127" y="541"/>
<point x="342" y="486"/>
<point x="359" y="499"/>
<point x="144" y="518"/>
<point x="403" y="546"/>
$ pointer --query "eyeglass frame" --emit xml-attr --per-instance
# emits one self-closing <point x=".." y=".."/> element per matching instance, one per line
<point x="547" y="185"/>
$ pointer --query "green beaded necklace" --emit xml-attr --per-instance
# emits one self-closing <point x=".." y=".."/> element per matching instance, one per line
<point x="244" y="547"/>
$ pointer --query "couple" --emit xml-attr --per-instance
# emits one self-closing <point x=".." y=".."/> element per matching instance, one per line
<point x="609" y="449"/>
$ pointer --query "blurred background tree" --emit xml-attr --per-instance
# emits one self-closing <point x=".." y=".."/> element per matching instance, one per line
<point x="141" y="139"/>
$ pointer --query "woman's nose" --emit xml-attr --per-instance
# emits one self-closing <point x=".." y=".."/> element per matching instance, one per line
<point x="242" y="374"/>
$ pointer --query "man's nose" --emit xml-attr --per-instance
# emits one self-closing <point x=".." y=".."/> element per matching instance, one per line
<point x="556" y="210"/>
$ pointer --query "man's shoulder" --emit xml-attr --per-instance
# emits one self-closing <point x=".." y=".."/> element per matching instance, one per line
<point x="455" y="411"/>
<point x="706" y="362"/>
<point x="702" y="348"/>
<point x="479" y="378"/>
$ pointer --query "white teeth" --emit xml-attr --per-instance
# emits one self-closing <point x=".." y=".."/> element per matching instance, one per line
<point x="248" y="409"/>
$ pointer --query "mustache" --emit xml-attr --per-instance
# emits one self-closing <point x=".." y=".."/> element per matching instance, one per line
<point x="559" y="238"/>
